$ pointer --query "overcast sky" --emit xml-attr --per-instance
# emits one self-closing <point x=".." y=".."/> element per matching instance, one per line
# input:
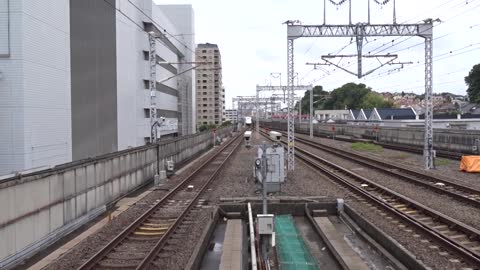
<point x="252" y="41"/>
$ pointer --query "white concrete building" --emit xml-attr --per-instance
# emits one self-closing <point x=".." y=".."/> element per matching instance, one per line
<point x="35" y="92"/>
<point x="325" y="115"/>
<point x="75" y="86"/>
<point x="231" y="115"/>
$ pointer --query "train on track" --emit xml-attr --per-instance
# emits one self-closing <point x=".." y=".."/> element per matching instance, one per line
<point x="248" y="121"/>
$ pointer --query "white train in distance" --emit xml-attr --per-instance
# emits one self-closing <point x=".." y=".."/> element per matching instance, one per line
<point x="248" y="121"/>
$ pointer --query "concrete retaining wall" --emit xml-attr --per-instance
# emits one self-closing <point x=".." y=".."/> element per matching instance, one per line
<point x="444" y="139"/>
<point x="37" y="209"/>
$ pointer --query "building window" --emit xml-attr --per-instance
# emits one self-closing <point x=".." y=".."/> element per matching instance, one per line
<point x="146" y="113"/>
<point x="204" y="81"/>
<point x="146" y="84"/>
<point x="146" y="55"/>
<point x="204" y="93"/>
<point x="146" y="139"/>
<point x="204" y="75"/>
<point x="204" y="87"/>
<point x="204" y="51"/>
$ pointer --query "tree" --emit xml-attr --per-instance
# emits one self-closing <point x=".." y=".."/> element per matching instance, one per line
<point x="319" y="98"/>
<point x="206" y="127"/>
<point x="473" y="82"/>
<point x="350" y="96"/>
<point x="374" y="100"/>
<point x="226" y="123"/>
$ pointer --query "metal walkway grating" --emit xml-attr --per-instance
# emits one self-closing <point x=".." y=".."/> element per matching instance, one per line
<point x="292" y="252"/>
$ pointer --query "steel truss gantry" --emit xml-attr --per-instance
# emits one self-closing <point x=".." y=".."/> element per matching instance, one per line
<point x="290" y="88"/>
<point x="359" y="31"/>
<point x="250" y="102"/>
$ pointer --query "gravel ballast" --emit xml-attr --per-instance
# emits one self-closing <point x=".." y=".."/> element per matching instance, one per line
<point x="92" y="244"/>
<point x="445" y="204"/>
<point x="236" y="180"/>
<point x="451" y="170"/>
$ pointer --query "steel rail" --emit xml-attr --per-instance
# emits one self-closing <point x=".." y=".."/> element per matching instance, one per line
<point x="161" y="243"/>
<point x="101" y="254"/>
<point x="447" y="186"/>
<point x="431" y="222"/>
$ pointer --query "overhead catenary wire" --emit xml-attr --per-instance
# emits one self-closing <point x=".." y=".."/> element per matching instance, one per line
<point x="452" y="17"/>
<point x="437" y="58"/>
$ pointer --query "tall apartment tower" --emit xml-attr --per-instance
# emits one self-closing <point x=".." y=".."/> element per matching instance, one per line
<point x="210" y="91"/>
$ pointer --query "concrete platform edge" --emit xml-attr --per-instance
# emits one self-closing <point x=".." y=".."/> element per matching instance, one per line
<point x="197" y="255"/>
<point x="325" y="239"/>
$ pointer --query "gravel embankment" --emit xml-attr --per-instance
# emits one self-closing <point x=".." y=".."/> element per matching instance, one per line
<point x="236" y="180"/>
<point x="458" y="210"/>
<point x="451" y="169"/>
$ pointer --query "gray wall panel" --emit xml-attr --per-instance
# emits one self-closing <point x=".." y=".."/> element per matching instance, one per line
<point x="4" y="28"/>
<point x="94" y="78"/>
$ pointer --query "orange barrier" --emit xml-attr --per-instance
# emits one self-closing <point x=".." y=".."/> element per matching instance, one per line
<point x="470" y="164"/>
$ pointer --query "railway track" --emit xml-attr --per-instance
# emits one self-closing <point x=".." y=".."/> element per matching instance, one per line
<point x="460" y="242"/>
<point x="399" y="147"/>
<point x="160" y="229"/>
<point x="441" y="185"/>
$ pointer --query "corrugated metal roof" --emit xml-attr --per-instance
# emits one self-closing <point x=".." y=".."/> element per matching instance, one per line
<point x="355" y="113"/>
<point x="396" y="113"/>
<point x="367" y="112"/>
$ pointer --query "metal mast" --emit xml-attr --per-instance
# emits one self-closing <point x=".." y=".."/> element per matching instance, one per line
<point x="428" y="153"/>
<point x="153" y="85"/>
<point x="311" y="113"/>
<point x="257" y="113"/>
<point x="291" y="118"/>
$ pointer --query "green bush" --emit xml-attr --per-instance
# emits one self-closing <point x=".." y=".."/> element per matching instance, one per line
<point x="206" y="127"/>
<point x="226" y="123"/>
<point x="361" y="146"/>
